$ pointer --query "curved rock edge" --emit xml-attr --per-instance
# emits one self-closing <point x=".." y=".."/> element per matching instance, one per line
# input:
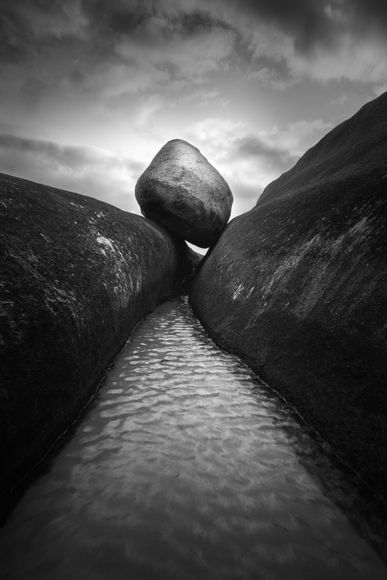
<point x="78" y="276"/>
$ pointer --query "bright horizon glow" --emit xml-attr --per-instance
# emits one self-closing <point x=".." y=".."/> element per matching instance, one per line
<point x="91" y="91"/>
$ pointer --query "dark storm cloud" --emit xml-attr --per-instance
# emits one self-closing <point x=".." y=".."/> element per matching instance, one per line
<point x="306" y="20"/>
<point x="15" y="33"/>
<point x="199" y="20"/>
<point x="11" y="34"/>
<point x="368" y="12"/>
<point x="252" y="146"/>
<point x="133" y="16"/>
<point x="146" y="23"/>
<point x="310" y="22"/>
<point x="117" y="16"/>
<point x="28" y="28"/>
<point x="316" y="22"/>
<point x="90" y="35"/>
<point x="64" y="156"/>
<point x="25" y="24"/>
<point x="153" y="44"/>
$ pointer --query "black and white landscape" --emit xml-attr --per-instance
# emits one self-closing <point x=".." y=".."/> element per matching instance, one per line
<point x="197" y="391"/>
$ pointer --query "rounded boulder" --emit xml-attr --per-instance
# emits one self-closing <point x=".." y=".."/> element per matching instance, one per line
<point x="183" y="192"/>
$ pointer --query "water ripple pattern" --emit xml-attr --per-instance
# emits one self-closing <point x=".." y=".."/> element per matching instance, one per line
<point x="184" y="468"/>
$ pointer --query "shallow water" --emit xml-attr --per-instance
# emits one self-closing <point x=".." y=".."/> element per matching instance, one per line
<point x="185" y="467"/>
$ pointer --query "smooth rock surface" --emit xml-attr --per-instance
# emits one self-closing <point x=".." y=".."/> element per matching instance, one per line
<point x="76" y="275"/>
<point x="184" y="193"/>
<point x="298" y="287"/>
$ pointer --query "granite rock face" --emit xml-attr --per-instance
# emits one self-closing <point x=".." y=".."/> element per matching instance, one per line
<point x="184" y="193"/>
<point x="298" y="287"/>
<point x="76" y="276"/>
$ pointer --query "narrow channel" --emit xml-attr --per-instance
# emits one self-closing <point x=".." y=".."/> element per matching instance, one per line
<point x="185" y="467"/>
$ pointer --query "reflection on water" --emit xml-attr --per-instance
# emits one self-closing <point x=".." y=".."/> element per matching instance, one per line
<point x="184" y="468"/>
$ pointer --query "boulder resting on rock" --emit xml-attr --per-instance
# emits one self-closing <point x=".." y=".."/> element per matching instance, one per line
<point x="184" y="193"/>
<point x="298" y="287"/>
<point x="76" y="275"/>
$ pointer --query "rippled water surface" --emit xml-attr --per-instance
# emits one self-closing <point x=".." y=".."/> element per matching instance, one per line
<point x="185" y="467"/>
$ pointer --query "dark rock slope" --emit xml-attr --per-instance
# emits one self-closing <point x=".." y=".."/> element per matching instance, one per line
<point x="298" y="287"/>
<point x="76" y="275"/>
<point x="184" y="193"/>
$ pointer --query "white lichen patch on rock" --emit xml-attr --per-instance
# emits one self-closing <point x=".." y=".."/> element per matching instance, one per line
<point x="78" y="205"/>
<point x="280" y="277"/>
<point x="128" y="284"/>
<point x="361" y="227"/>
<point x="237" y="291"/>
<point x="356" y="234"/>
<point x="322" y="259"/>
<point x="106" y="243"/>
<point x="249" y="293"/>
<point x="313" y="290"/>
<point x="242" y="292"/>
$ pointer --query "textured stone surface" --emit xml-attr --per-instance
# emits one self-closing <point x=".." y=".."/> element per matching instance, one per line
<point x="76" y="275"/>
<point x="183" y="192"/>
<point x="298" y="287"/>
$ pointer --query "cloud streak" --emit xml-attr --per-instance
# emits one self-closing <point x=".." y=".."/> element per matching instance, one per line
<point x="90" y="171"/>
<point x="252" y="146"/>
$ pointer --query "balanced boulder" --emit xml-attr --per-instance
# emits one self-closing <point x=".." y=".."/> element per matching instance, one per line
<point x="184" y="193"/>
<point x="298" y="287"/>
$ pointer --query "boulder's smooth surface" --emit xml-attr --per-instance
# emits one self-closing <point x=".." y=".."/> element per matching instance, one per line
<point x="76" y="275"/>
<point x="298" y="287"/>
<point x="184" y="193"/>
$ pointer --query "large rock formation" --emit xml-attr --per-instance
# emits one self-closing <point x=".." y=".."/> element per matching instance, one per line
<point x="298" y="287"/>
<point x="76" y="275"/>
<point x="184" y="193"/>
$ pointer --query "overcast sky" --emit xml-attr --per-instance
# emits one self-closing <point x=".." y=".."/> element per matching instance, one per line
<point x="91" y="89"/>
